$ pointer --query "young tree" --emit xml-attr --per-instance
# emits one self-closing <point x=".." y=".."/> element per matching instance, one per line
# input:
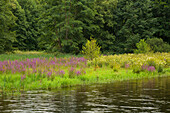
<point x="142" y="47"/>
<point x="91" y="49"/>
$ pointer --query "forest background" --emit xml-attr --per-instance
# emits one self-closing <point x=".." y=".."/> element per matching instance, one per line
<point x="63" y="26"/>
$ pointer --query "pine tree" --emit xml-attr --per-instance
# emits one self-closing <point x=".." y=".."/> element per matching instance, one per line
<point x="7" y="22"/>
<point x="21" y="26"/>
<point x="161" y="11"/>
<point x="32" y="13"/>
<point x="133" y="21"/>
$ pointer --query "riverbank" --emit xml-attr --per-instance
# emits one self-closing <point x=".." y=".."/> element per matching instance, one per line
<point x="14" y="82"/>
<point x="52" y="73"/>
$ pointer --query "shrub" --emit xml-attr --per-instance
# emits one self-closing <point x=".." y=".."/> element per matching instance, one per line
<point x="115" y="66"/>
<point x="160" y="69"/>
<point x="136" y="69"/>
<point x="142" y="47"/>
<point x="151" y="62"/>
<point x="158" y="45"/>
<point x="91" y="49"/>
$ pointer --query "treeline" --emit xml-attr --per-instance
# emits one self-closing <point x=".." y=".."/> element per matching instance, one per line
<point x="65" y="25"/>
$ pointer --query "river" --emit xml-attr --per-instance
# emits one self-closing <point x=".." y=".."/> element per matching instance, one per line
<point x="137" y="96"/>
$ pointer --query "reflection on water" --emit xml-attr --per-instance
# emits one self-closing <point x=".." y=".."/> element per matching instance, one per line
<point x="145" y="96"/>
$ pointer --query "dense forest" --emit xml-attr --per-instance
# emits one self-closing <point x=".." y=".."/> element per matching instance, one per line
<point x="65" y="25"/>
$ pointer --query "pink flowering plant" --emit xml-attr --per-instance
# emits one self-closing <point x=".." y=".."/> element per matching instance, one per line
<point x="43" y="73"/>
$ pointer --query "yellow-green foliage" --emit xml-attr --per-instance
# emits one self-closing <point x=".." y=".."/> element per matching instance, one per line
<point x="135" y="60"/>
<point x="142" y="47"/>
<point x="28" y="52"/>
<point x="91" y="49"/>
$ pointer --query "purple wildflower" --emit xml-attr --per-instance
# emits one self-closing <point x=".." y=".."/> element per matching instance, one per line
<point x="49" y="74"/>
<point x="61" y="72"/>
<point x="84" y="72"/>
<point x="72" y="69"/>
<point x="23" y="77"/>
<point x="127" y="66"/>
<point x="78" y="73"/>
<point x="144" y="67"/>
<point x="151" y="68"/>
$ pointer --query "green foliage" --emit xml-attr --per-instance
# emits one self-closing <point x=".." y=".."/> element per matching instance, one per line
<point x="20" y="27"/>
<point x="161" y="11"/>
<point x="132" y="20"/>
<point x="71" y="23"/>
<point x="142" y="47"/>
<point x="27" y="27"/>
<point x="158" y="45"/>
<point x="151" y="62"/>
<point x="137" y="69"/>
<point x="7" y="22"/>
<point x="91" y="49"/>
<point x="160" y="68"/>
<point x="62" y="26"/>
<point x="62" y="31"/>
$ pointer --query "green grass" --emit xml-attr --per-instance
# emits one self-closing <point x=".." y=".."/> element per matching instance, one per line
<point x="20" y="55"/>
<point x="9" y="82"/>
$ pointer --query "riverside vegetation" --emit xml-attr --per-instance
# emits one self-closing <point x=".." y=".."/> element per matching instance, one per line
<point x="52" y="72"/>
<point x="62" y="27"/>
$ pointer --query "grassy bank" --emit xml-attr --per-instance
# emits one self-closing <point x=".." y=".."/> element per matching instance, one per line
<point x="51" y="73"/>
<point x="21" y="55"/>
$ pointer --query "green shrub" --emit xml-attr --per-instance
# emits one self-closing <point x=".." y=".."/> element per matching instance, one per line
<point x="136" y="69"/>
<point x="91" y="49"/>
<point x="160" y="69"/>
<point x="142" y="47"/>
<point x="100" y="64"/>
<point x="151" y="62"/>
<point x="115" y="66"/>
<point x="158" y="45"/>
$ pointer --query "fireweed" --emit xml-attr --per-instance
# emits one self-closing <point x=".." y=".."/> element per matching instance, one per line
<point x="39" y="66"/>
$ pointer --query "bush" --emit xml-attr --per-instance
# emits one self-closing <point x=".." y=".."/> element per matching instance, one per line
<point x="91" y="49"/>
<point x="158" y="45"/>
<point x="115" y="66"/>
<point x="142" y="47"/>
<point x="136" y="69"/>
<point x="160" y="69"/>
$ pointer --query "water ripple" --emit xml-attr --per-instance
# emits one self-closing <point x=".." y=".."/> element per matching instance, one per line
<point x="128" y="96"/>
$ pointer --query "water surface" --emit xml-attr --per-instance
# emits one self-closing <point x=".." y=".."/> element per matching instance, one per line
<point x="145" y="96"/>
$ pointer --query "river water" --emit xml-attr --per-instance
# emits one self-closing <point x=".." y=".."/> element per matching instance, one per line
<point x="137" y="96"/>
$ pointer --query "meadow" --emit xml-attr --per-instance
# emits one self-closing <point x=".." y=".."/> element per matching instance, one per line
<point x="33" y="71"/>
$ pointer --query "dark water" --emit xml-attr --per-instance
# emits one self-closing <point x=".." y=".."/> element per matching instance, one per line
<point x="145" y="96"/>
